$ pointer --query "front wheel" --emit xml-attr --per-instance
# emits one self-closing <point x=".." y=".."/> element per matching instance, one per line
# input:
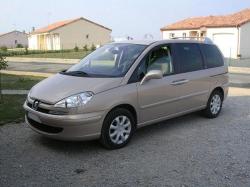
<point x="118" y="128"/>
<point x="214" y="104"/>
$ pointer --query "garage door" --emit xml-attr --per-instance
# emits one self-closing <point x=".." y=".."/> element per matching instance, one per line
<point x="226" y="43"/>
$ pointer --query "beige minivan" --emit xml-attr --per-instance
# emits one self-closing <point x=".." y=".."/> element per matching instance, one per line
<point x="123" y="86"/>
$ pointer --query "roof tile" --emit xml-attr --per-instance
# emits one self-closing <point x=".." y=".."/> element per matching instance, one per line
<point x="234" y="20"/>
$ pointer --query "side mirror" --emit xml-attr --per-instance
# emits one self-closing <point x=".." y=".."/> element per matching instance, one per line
<point x="152" y="74"/>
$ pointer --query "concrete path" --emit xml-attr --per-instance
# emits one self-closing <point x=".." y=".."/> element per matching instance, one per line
<point x="15" y="92"/>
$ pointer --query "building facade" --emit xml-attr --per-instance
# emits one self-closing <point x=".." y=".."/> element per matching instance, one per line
<point x="69" y="34"/>
<point x="13" y="38"/>
<point x="230" y="33"/>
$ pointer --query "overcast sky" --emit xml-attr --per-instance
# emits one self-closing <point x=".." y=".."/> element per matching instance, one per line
<point x="125" y="17"/>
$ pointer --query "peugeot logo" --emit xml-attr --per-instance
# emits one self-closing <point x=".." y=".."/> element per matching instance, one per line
<point x="35" y="104"/>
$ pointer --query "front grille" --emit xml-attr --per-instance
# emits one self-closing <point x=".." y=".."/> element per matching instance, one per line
<point x="43" y="127"/>
<point x="46" y="111"/>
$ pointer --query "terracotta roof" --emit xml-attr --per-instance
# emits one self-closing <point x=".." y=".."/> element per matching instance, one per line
<point x="59" y="24"/>
<point x="231" y="20"/>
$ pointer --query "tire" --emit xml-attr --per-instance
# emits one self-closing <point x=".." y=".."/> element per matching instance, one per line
<point x="118" y="128"/>
<point x="214" y="105"/>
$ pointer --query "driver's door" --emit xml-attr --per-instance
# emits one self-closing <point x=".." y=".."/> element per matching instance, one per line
<point x="156" y="97"/>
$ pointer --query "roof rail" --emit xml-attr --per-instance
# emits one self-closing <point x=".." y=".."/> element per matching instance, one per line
<point x="203" y="39"/>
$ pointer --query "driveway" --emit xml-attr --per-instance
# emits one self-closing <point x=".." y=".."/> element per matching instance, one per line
<point x="187" y="151"/>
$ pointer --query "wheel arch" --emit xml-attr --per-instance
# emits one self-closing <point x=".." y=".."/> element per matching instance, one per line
<point x="220" y="89"/>
<point x="128" y="107"/>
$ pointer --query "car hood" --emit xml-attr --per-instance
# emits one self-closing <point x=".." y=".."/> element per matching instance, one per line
<point x="59" y="86"/>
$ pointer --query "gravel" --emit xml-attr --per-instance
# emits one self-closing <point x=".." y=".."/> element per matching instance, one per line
<point x="186" y="151"/>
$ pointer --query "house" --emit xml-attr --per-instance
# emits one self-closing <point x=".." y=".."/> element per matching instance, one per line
<point x="69" y="34"/>
<point x="13" y="38"/>
<point x="231" y="32"/>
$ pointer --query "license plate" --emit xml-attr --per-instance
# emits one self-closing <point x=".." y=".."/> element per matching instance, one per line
<point x="34" y="117"/>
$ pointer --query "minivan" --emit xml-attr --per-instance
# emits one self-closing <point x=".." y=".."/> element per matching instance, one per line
<point x="124" y="86"/>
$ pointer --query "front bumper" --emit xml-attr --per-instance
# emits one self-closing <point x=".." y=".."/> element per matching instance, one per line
<point x="65" y="127"/>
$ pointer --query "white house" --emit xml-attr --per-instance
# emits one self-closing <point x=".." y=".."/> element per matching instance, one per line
<point x="69" y="34"/>
<point x="13" y="38"/>
<point x="231" y="33"/>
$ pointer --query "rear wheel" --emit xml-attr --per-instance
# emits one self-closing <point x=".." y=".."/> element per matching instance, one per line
<point x="214" y="104"/>
<point x="118" y="128"/>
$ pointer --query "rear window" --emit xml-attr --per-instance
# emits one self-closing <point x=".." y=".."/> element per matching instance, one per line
<point x="212" y="56"/>
<point x="189" y="56"/>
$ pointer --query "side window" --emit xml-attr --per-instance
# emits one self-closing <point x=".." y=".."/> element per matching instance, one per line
<point x="189" y="56"/>
<point x="212" y="56"/>
<point x="158" y="59"/>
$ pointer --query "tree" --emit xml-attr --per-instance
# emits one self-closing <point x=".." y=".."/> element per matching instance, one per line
<point x="3" y="65"/>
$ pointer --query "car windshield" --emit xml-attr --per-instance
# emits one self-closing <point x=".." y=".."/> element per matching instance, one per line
<point x="111" y="60"/>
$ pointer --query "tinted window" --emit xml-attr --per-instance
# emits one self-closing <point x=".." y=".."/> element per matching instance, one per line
<point x="212" y="56"/>
<point x="189" y="56"/>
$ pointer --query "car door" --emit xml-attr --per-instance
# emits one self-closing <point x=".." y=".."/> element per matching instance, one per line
<point x="156" y="97"/>
<point x="175" y="93"/>
<point x="192" y="71"/>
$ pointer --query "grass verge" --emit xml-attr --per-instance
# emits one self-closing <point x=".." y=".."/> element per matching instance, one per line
<point x="11" y="109"/>
<point x="64" y="55"/>
<point x="18" y="82"/>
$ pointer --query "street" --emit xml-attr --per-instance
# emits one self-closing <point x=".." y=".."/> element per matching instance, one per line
<point x="41" y="67"/>
<point x="186" y="151"/>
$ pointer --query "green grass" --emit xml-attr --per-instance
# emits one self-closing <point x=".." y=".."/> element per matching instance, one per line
<point x="18" y="82"/>
<point x="64" y="55"/>
<point x="11" y="109"/>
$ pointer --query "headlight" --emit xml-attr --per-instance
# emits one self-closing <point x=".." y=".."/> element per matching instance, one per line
<point x="75" y="100"/>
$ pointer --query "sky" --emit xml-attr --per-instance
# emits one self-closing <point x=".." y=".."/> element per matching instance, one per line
<point x="134" y="18"/>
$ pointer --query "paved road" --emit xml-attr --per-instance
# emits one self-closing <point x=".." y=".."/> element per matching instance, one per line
<point x="41" y="67"/>
<point x="187" y="151"/>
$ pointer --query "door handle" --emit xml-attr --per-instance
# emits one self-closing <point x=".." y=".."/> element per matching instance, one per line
<point x="179" y="82"/>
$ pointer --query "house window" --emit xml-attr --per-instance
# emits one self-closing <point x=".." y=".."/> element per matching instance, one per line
<point x="15" y="41"/>
<point x="171" y="35"/>
<point x="87" y="36"/>
<point x="184" y="35"/>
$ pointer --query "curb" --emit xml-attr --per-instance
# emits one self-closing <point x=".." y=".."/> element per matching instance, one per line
<point x="239" y="70"/>
<point x="28" y="73"/>
<point x="15" y="92"/>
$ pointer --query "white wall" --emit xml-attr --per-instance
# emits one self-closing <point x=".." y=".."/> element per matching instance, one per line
<point x="225" y="38"/>
<point x="177" y="33"/>
<point x="245" y="40"/>
<point x="9" y="39"/>
<point x="33" y="43"/>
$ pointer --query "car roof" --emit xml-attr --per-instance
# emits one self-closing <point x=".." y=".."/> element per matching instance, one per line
<point x="149" y="42"/>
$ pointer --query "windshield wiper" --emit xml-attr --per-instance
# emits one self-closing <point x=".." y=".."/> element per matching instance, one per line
<point x="75" y="73"/>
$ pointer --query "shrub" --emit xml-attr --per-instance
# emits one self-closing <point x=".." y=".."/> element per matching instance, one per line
<point x="93" y="47"/>
<point x="85" y="48"/>
<point x="19" y="46"/>
<point x="3" y="48"/>
<point x="26" y="50"/>
<point x="76" y="49"/>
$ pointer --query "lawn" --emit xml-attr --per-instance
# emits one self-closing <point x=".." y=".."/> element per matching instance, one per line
<point x="18" y="82"/>
<point x="11" y="109"/>
<point x="64" y="55"/>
